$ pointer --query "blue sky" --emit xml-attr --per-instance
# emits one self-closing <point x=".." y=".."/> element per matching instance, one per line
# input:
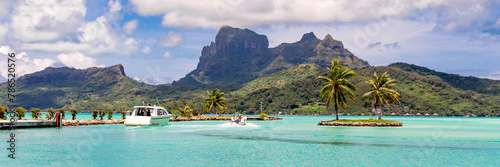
<point x="159" y="41"/>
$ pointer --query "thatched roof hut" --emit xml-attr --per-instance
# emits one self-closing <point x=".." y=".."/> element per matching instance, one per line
<point x="393" y="114"/>
<point x="407" y="114"/>
<point x="435" y="115"/>
<point x="427" y="114"/>
<point x="418" y="114"/>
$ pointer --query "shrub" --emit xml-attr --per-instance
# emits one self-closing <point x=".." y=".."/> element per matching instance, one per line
<point x="35" y="113"/>
<point x="3" y="111"/>
<point x="176" y="113"/>
<point x="94" y="114"/>
<point x="62" y="111"/>
<point x="124" y="113"/>
<point x="73" y="113"/>
<point x="196" y="113"/>
<point x="20" y="112"/>
<point x="110" y="114"/>
<point x="102" y="114"/>
<point x="263" y="115"/>
<point x="50" y="113"/>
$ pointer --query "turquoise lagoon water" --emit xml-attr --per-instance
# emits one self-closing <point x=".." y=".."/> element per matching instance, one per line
<point x="293" y="141"/>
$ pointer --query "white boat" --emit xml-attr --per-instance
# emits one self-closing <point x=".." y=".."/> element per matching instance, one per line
<point x="148" y="116"/>
<point x="239" y="120"/>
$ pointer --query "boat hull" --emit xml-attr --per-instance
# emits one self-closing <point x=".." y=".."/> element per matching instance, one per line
<point x="147" y="121"/>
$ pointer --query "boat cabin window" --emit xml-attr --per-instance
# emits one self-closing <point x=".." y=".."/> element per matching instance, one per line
<point x="162" y="112"/>
<point x="144" y="111"/>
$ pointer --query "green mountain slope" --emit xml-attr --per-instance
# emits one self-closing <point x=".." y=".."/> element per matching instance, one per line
<point x="240" y="55"/>
<point x="420" y="93"/>
<point x="92" y="88"/>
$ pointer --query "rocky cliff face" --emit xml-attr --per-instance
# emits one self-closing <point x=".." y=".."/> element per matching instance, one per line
<point x="240" y="55"/>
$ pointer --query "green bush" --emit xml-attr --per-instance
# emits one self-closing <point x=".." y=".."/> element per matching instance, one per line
<point x="124" y="113"/>
<point x="20" y="112"/>
<point x="50" y="113"/>
<point x="35" y="113"/>
<point x="73" y="113"/>
<point x="95" y="113"/>
<point x="110" y="114"/>
<point x="263" y="115"/>
<point x="102" y="114"/>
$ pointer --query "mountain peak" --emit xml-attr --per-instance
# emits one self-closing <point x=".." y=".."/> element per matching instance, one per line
<point x="308" y="37"/>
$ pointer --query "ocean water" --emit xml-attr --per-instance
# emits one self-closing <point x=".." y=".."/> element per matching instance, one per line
<point x="293" y="141"/>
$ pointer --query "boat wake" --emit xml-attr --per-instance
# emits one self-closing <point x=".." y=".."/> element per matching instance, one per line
<point x="229" y="124"/>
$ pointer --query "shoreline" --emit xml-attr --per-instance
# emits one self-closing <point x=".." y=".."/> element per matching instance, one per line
<point x="370" y="124"/>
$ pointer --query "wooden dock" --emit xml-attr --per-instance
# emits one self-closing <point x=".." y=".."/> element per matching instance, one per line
<point x="6" y="124"/>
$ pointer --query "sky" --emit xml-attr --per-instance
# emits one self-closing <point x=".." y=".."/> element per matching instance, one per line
<point x="159" y="41"/>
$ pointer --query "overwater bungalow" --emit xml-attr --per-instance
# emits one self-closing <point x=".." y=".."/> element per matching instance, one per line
<point x="418" y="114"/>
<point x="407" y="114"/>
<point x="435" y="115"/>
<point x="393" y="114"/>
<point x="427" y="114"/>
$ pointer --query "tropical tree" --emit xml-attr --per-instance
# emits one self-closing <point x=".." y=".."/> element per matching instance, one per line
<point x="94" y="114"/>
<point x="380" y="92"/>
<point x="186" y="111"/>
<point x="102" y="114"/>
<point x="124" y="113"/>
<point x="176" y="113"/>
<point x="62" y="111"/>
<point x="337" y="86"/>
<point x="73" y="113"/>
<point x="35" y="113"/>
<point x="215" y="100"/>
<point x="110" y="114"/>
<point x="3" y="110"/>
<point x="20" y="112"/>
<point x="50" y="113"/>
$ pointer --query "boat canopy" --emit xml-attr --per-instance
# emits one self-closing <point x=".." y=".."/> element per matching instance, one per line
<point x="149" y="111"/>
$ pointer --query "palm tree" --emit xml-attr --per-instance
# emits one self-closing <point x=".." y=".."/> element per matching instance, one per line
<point x="3" y="111"/>
<point x="50" y="113"/>
<point x="102" y="114"/>
<point x="73" y="113"/>
<point x="61" y="111"/>
<point x="124" y="113"/>
<point x="35" y="113"/>
<point x="94" y="114"/>
<point x="20" y="112"/>
<point x="110" y="114"/>
<point x="337" y="86"/>
<point x="381" y="92"/>
<point x="214" y="101"/>
<point x="186" y="112"/>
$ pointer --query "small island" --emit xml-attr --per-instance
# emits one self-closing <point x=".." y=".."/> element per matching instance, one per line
<point x="375" y="123"/>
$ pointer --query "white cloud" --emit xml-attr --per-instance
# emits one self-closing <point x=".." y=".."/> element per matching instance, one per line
<point x="130" y="26"/>
<point x="49" y="20"/>
<point x="77" y="60"/>
<point x="146" y="49"/>
<point x="24" y="65"/>
<point x="170" y="40"/>
<point x="215" y="13"/>
<point x="167" y="55"/>
<point x="494" y="75"/>
<point x="58" y="26"/>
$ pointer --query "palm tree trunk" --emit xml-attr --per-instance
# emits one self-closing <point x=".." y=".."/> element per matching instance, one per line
<point x="336" y="112"/>
<point x="380" y="114"/>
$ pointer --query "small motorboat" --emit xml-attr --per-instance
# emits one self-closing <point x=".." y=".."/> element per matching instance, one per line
<point x="148" y="116"/>
<point x="239" y="120"/>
